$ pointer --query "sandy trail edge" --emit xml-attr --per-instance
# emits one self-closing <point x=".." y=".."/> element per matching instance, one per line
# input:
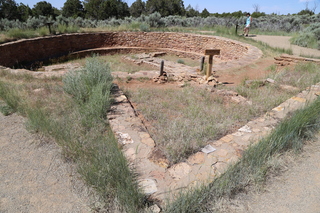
<point x="283" y="42"/>
<point x="33" y="177"/>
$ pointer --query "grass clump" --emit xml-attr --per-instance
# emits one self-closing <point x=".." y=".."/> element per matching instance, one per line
<point x="253" y="166"/>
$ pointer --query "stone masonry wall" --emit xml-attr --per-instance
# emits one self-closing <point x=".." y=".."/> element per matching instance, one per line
<point x="39" y="49"/>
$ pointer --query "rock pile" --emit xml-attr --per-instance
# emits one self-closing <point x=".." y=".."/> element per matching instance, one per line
<point x="286" y="60"/>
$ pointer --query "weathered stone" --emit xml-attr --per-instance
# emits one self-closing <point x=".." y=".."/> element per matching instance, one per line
<point x="148" y="186"/>
<point x="221" y="152"/>
<point x="158" y="157"/>
<point x="238" y="134"/>
<point x="220" y="167"/>
<point x="130" y="154"/>
<point x="278" y="109"/>
<point x="157" y="54"/>
<point x="227" y="138"/>
<point x="208" y="149"/>
<point x="269" y="80"/>
<point x="157" y="175"/>
<point x="179" y="171"/>
<point x="197" y="158"/>
<point x="224" y="92"/>
<point x="212" y="159"/>
<point x="121" y="98"/>
<point x="124" y="138"/>
<point x="154" y="209"/>
<point x="238" y="99"/>
<point x="148" y="141"/>
<point x="245" y="128"/>
<point x="302" y="100"/>
<point x="211" y="78"/>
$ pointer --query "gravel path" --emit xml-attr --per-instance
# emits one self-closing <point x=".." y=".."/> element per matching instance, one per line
<point x="33" y="177"/>
<point x="283" y="42"/>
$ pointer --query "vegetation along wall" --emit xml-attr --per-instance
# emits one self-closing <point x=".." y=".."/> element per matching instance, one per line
<point x="40" y="49"/>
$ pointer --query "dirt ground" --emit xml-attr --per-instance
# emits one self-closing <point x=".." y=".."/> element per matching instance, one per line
<point x="295" y="190"/>
<point x="283" y="42"/>
<point x="34" y="178"/>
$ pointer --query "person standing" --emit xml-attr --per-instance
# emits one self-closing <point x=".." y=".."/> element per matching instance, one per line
<point x="248" y="23"/>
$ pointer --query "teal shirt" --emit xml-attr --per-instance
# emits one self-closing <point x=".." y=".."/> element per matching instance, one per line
<point x="248" y="21"/>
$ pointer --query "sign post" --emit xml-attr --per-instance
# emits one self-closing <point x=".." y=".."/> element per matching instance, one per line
<point x="211" y="53"/>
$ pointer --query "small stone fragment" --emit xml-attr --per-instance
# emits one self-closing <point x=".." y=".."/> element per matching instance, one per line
<point x="245" y="128"/>
<point x="124" y="138"/>
<point x="149" y="186"/>
<point x="179" y="170"/>
<point x="197" y="158"/>
<point x="208" y="149"/>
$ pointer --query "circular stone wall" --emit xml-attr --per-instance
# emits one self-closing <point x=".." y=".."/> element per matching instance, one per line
<point x="28" y="51"/>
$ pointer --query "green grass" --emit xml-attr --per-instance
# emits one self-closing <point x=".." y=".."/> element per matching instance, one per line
<point x="253" y="166"/>
<point x="16" y="33"/>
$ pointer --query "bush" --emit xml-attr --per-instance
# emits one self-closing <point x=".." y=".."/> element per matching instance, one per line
<point x="81" y="83"/>
<point x="309" y="37"/>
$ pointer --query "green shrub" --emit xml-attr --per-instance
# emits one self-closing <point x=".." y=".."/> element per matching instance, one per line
<point x="180" y="61"/>
<point x="80" y="83"/>
<point x="144" y="27"/>
<point x="309" y="37"/>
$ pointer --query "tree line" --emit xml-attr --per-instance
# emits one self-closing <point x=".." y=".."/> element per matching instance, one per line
<point x="102" y="9"/>
<point x="105" y="9"/>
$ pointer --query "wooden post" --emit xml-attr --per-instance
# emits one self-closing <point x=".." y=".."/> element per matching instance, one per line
<point x="161" y="67"/>
<point x="211" y="53"/>
<point x="202" y="63"/>
<point x="49" y="26"/>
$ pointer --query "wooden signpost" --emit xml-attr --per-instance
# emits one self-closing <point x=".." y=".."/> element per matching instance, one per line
<point x="211" y="53"/>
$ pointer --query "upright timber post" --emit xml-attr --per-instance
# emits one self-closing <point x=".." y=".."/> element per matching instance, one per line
<point x="161" y="67"/>
<point x="211" y="53"/>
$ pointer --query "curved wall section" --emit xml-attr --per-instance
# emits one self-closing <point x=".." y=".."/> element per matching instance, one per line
<point x="40" y="49"/>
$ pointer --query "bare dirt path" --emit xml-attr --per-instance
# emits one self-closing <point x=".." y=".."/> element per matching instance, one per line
<point x="33" y="176"/>
<point x="296" y="190"/>
<point x="283" y="42"/>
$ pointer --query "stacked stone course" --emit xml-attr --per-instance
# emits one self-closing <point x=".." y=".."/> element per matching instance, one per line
<point x="183" y="44"/>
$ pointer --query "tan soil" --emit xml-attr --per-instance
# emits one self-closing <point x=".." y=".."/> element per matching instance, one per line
<point x="283" y="42"/>
<point x="33" y="176"/>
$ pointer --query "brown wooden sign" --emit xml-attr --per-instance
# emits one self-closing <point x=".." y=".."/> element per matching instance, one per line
<point x="212" y="52"/>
